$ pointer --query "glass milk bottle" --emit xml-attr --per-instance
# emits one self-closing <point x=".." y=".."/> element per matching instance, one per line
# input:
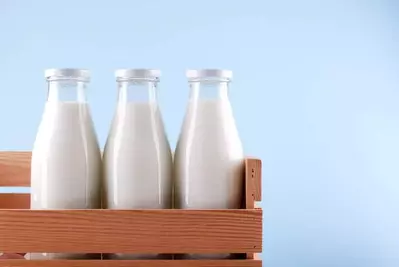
<point x="209" y="160"/>
<point x="66" y="159"/>
<point x="137" y="157"/>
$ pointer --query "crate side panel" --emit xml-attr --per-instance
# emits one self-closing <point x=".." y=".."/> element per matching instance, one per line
<point x="15" y="168"/>
<point x="14" y="201"/>
<point x="134" y="231"/>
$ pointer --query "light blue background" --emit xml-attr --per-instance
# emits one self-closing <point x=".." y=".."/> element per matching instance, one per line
<point x="315" y="94"/>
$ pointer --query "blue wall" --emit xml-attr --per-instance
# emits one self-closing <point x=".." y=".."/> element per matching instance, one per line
<point x="315" y="94"/>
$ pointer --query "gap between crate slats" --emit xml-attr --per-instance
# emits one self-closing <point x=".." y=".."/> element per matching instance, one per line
<point x="15" y="170"/>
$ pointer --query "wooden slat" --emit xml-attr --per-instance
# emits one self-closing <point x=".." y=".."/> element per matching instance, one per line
<point x="253" y="180"/>
<point x="254" y="170"/>
<point x="14" y="201"/>
<point x="130" y="263"/>
<point x="15" y="168"/>
<point x="134" y="231"/>
<point x="253" y="173"/>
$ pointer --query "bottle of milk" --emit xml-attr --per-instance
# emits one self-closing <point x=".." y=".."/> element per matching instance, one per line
<point x="209" y="159"/>
<point x="137" y="157"/>
<point x="66" y="159"/>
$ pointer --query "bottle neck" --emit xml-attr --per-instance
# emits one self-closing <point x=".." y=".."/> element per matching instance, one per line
<point x="209" y="90"/>
<point x="137" y="91"/>
<point x="67" y="91"/>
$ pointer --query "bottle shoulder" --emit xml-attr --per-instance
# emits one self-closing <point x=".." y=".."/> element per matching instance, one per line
<point x="65" y="131"/>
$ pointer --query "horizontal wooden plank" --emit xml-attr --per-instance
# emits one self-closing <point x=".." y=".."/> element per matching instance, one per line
<point x="14" y="201"/>
<point x="131" y="231"/>
<point x="15" y="168"/>
<point x="130" y="263"/>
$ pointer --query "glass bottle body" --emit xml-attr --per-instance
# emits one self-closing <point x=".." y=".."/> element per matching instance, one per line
<point x="137" y="157"/>
<point x="209" y="159"/>
<point x="66" y="159"/>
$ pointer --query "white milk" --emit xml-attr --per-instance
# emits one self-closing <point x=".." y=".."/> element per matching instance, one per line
<point x="137" y="162"/>
<point x="209" y="160"/>
<point x="66" y="163"/>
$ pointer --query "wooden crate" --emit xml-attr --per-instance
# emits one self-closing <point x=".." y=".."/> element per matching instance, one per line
<point x="126" y="231"/>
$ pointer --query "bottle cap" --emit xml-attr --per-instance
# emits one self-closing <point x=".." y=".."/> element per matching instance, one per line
<point x="137" y="73"/>
<point x="209" y="73"/>
<point x="68" y="73"/>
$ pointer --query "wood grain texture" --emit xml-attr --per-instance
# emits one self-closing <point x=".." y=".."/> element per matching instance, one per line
<point x="15" y="171"/>
<point x="14" y="201"/>
<point x="253" y="178"/>
<point x="130" y="263"/>
<point x="15" y="168"/>
<point x="131" y="231"/>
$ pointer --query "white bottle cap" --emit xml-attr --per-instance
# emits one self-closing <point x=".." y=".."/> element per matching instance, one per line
<point x="137" y="73"/>
<point x="209" y="73"/>
<point x="67" y="72"/>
